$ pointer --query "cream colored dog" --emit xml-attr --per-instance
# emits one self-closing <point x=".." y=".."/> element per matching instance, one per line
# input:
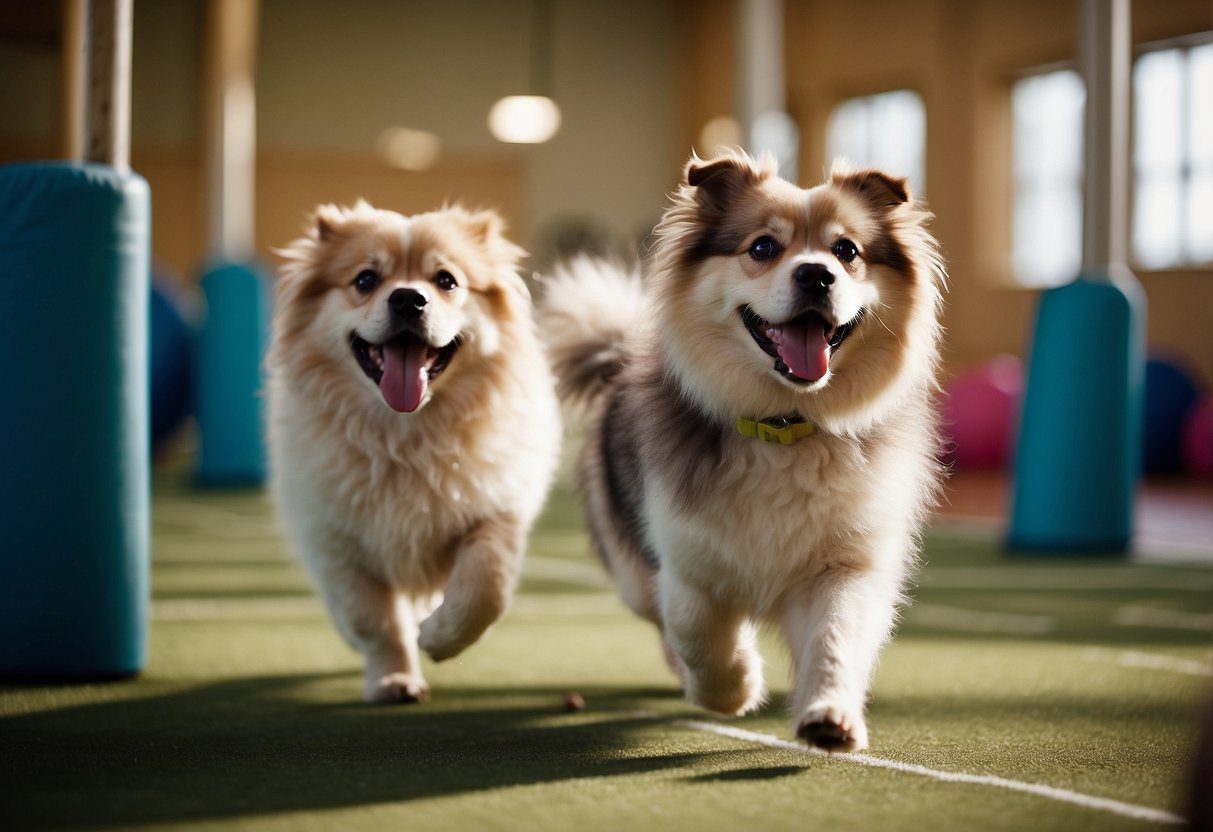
<point x="413" y="427"/>
<point x="764" y="442"/>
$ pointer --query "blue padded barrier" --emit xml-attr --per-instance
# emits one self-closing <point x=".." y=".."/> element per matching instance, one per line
<point x="1079" y="450"/>
<point x="74" y="451"/>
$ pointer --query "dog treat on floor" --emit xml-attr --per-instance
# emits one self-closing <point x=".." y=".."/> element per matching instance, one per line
<point x="414" y="430"/>
<point x="763" y="440"/>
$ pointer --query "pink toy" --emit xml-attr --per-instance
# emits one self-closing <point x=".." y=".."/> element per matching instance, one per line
<point x="981" y="411"/>
<point x="1198" y="439"/>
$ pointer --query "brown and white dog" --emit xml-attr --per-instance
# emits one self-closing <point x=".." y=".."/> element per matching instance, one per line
<point x="413" y="427"/>
<point x="764" y="443"/>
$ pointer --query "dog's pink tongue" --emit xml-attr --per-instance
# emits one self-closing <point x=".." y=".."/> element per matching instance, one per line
<point x="804" y="349"/>
<point x="404" y="375"/>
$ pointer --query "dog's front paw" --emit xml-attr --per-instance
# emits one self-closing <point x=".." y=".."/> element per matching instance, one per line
<point x="833" y="727"/>
<point x="397" y="689"/>
<point x="734" y="694"/>
<point x="440" y="640"/>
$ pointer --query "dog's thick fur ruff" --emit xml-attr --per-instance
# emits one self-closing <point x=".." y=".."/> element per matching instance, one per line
<point x="413" y="525"/>
<point x="709" y="533"/>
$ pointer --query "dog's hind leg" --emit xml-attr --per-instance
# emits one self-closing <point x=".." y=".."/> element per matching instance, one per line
<point x="487" y="564"/>
<point x="381" y="625"/>
<point x="723" y="671"/>
<point x="835" y="629"/>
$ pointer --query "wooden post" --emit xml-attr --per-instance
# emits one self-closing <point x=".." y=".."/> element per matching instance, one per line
<point x="231" y="128"/>
<point x="760" y="83"/>
<point x="73" y="56"/>
<point x="108" y="113"/>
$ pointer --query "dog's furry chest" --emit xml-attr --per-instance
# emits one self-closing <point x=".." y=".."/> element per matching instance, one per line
<point x="769" y="509"/>
<point x="400" y="504"/>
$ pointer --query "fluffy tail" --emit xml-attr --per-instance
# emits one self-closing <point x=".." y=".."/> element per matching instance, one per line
<point x="588" y="309"/>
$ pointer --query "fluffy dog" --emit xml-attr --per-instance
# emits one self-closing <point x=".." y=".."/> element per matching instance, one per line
<point x="413" y="427"/>
<point x="764" y="442"/>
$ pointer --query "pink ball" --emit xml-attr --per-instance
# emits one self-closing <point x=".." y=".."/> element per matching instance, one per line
<point x="1198" y="439"/>
<point x="981" y="411"/>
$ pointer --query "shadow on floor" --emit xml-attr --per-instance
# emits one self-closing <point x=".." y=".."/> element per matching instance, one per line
<point x="273" y="744"/>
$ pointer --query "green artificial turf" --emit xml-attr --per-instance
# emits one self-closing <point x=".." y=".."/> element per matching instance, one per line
<point x="248" y="715"/>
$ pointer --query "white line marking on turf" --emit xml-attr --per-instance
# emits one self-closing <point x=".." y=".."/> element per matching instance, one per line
<point x="1062" y="579"/>
<point x="1116" y="807"/>
<point x="1163" y="619"/>
<point x="568" y="571"/>
<point x="1149" y="661"/>
<point x="258" y="608"/>
<point x="979" y="621"/>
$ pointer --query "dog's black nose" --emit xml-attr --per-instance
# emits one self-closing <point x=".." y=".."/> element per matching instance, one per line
<point x="407" y="302"/>
<point x="814" y="278"/>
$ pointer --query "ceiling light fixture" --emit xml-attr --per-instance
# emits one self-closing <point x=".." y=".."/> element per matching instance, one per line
<point x="533" y="118"/>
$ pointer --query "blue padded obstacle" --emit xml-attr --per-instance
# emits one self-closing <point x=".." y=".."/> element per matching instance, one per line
<point x="1171" y="394"/>
<point x="1079" y="438"/>
<point x="74" y="494"/>
<point x="228" y="394"/>
<point x="172" y="363"/>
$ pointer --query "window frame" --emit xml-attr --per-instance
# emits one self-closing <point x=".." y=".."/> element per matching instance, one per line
<point x="1184" y="43"/>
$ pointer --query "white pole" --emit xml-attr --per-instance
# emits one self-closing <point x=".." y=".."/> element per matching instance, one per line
<point x="232" y="128"/>
<point x="108" y="113"/>
<point x="1106" y="45"/>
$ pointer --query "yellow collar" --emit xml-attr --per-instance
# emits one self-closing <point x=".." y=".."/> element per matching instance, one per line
<point x="781" y="430"/>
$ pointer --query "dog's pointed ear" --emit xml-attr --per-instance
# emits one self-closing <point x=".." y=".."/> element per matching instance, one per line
<point x="875" y="186"/>
<point x="720" y="181"/>
<point x="484" y="226"/>
<point x="328" y="220"/>
<point x="487" y="228"/>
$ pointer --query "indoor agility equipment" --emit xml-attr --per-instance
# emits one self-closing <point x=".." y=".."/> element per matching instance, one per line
<point x="74" y="272"/>
<point x="171" y="361"/>
<point x="979" y="410"/>
<point x="1078" y="455"/>
<point x="228" y="393"/>
<point x="1198" y="440"/>
<point x="1171" y="393"/>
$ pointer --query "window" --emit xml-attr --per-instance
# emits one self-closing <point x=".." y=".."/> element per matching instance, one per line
<point x="1046" y="233"/>
<point x="886" y="130"/>
<point x="1173" y="157"/>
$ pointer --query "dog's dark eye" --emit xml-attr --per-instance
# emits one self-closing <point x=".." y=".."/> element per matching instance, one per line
<point x="367" y="281"/>
<point x="445" y="281"/>
<point x="764" y="248"/>
<point x="845" y="250"/>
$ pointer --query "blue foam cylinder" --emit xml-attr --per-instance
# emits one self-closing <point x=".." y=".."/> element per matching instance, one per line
<point x="75" y="244"/>
<point x="228" y="396"/>
<point x="171" y="349"/>
<point x="1078" y="456"/>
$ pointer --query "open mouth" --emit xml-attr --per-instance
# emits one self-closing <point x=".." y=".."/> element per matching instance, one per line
<point x="801" y="346"/>
<point x="402" y="367"/>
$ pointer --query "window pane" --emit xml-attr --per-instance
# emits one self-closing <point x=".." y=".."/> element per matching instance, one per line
<point x="886" y="130"/>
<point x="1048" y="236"/>
<point x="898" y="130"/>
<point x="1158" y="89"/>
<point x="1200" y="218"/>
<point x="1200" y="108"/>
<point x="1047" y="113"/>
<point x="847" y="135"/>
<point x="1156" y="221"/>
